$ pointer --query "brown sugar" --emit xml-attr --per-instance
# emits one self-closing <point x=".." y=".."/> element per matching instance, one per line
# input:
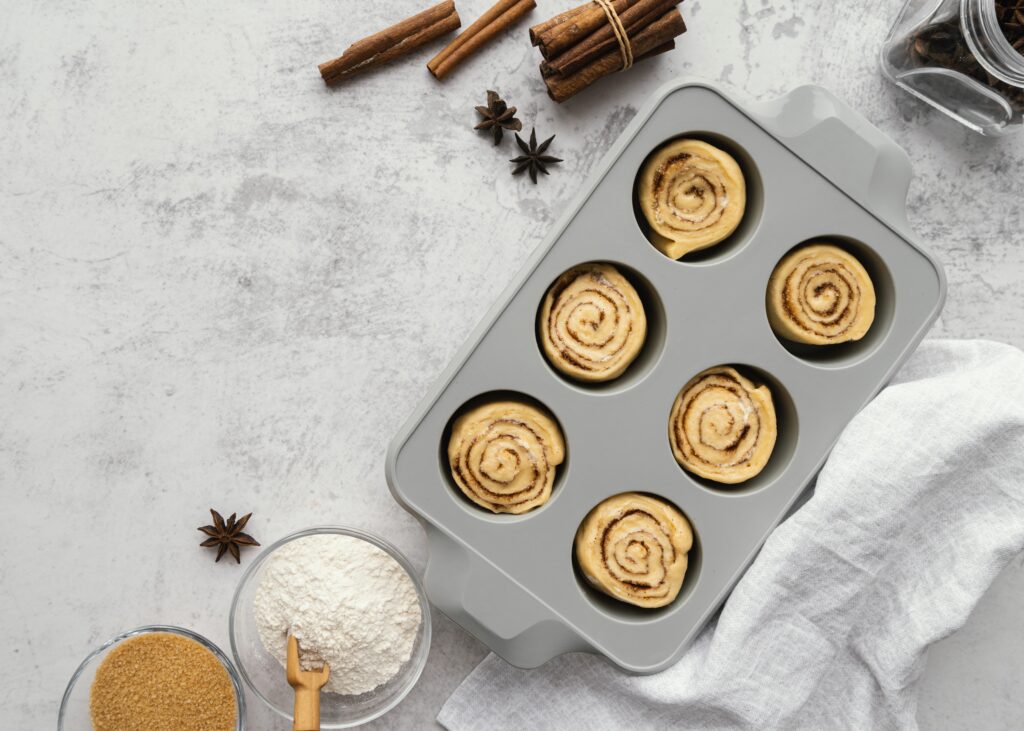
<point x="162" y="682"/>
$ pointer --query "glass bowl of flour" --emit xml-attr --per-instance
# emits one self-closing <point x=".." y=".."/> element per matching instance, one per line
<point x="353" y="601"/>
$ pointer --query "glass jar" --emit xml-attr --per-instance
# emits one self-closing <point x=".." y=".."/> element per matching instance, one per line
<point x="963" y="57"/>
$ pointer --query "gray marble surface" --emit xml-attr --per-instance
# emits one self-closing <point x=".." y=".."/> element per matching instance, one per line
<point x="223" y="285"/>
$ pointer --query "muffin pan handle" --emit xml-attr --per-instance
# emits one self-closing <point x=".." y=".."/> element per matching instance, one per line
<point x="495" y="609"/>
<point x="844" y="146"/>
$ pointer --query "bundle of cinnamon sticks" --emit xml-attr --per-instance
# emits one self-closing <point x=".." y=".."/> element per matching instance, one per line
<point x="596" y="39"/>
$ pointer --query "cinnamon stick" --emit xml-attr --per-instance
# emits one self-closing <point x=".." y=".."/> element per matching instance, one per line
<point x="537" y="30"/>
<point x="602" y="40"/>
<point x="663" y="48"/>
<point x="500" y="17"/>
<point x="546" y="70"/>
<point x="392" y="42"/>
<point x="568" y="33"/>
<point x="649" y="41"/>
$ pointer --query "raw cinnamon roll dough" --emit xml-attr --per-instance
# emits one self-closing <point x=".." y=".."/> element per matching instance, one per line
<point x="634" y="548"/>
<point x="592" y="323"/>
<point x="503" y="456"/>
<point x="722" y="426"/>
<point x="820" y="294"/>
<point x="693" y="196"/>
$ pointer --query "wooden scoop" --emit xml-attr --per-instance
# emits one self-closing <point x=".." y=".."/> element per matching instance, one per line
<point x="307" y="684"/>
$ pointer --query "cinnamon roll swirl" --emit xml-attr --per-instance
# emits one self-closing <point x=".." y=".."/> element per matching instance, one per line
<point x="503" y="456"/>
<point x="693" y="196"/>
<point x="820" y="294"/>
<point x="592" y="323"/>
<point x="722" y="426"/>
<point x="634" y="548"/>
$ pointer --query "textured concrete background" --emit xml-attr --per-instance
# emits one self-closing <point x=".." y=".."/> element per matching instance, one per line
<point x="223" y="285"/>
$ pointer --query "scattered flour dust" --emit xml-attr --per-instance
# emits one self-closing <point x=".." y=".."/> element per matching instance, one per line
<point x="347" y="602"/>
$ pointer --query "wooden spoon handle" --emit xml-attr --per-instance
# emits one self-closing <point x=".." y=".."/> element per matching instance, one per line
<point x="307" y="709"/>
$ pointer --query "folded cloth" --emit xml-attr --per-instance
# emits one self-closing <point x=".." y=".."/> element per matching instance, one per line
<point x="918" y="508"/>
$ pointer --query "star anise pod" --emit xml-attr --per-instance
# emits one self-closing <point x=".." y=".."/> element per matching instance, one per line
<point x="498" y="116"/>
<point x="227" y="536"/>
<point x="533" y="157"/>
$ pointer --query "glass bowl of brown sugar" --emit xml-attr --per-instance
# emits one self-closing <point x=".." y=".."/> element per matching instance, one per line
<point x="154" y="677"/>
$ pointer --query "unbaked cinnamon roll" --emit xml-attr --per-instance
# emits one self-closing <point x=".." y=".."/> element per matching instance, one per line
<point x="592" y="323"/>
<point x="634" y="548"/>
<point x="693" y="196"/>
<point x="820" y="294"/>
<point x="503" y="456"/>
<point x="722" y="426"/>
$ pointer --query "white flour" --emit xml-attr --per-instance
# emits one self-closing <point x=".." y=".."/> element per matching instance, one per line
<point x="347" y="602"/>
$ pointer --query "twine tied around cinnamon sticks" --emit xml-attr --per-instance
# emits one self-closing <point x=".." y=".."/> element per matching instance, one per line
<point x="625" y="46"/>
<point x="587" y="43"/>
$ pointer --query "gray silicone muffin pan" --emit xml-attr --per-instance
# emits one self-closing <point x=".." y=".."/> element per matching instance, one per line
<point x="814" y="170"/>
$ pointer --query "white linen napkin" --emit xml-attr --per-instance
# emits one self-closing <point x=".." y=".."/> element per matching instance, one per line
<point x="918" y="508"/>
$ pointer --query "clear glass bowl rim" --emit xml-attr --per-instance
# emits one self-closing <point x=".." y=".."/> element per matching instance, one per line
<point x="385" y="546"/>
<point x="156" y="629"/>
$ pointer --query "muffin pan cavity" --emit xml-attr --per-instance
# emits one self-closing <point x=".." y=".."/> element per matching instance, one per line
<point x="811" y="165"/>
<point x="654" y="339"/>
<point x="623" y="612"/>
<point x="787" y="432"/>
<point x="752" y="210"/>
<point x="512" y="461"/>
<point x="844" y="354"/>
